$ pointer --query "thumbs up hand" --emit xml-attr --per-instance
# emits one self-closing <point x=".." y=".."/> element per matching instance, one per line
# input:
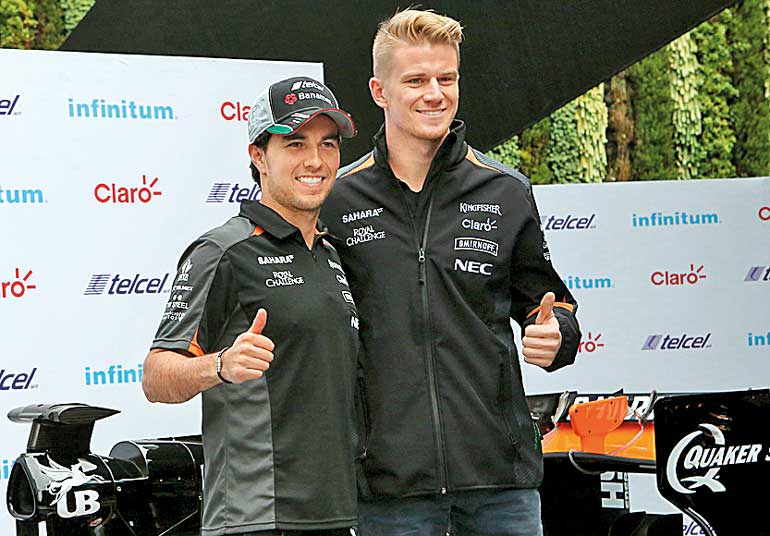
<point x="251" y="353"/>
<point x="542" y="339"/>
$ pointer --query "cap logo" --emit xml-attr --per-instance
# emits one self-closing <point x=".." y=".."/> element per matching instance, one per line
<point x="305" y="84"/>
<point x="290" y="98"/>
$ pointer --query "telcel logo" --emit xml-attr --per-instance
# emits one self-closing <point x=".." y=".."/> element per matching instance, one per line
<point x="234" y="111"/>
<point x="18" y="287"/>
<point x="764" y="213"/>
<point x="8" y="105"/>
<point x="678" y="278"/>
<point x="112" y="193"/>
<point x="568" y="223"/>
<point x="591" y="344"/>
<point x="227" y="192"/>
<point x="683" y="342"/>
<point x="128" y="285"/>
<point x="758" y="273"/>
<point x="17" y="381"/>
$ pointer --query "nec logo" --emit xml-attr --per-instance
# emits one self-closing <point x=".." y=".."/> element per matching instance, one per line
<point x="128" y="285"/>
<point x="227" y="192"/>
<point x="473" y="267"/>
<point x="112" y="193"/>
<point x="234" y="111"/>
<point x="758" y="273"/>
<point x="18" y="287"/>
<point x="592" y="344"/>
<point x="678" y="278"/>
<point x="7" y="106"/>
<point x="568" y="223"/>
<point x="682" y="342"/>
<point x="17" y="381"/>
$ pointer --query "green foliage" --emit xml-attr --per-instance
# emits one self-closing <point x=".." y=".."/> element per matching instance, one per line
<point x="751" y="111"/>
<point x="17" y="24"/>
<point x="507" y="153"/>
<point x="652" y="155"/>
<point x="563" y="154"/>
<point x="534" y="147"/>
<point x="74" y="11"/>
<point x="685" y="84"/>
<point x="591" y="123"/>
<point x="50" y="25"/>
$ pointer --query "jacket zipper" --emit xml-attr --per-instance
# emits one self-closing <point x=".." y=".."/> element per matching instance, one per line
<point x="428" y="341"/>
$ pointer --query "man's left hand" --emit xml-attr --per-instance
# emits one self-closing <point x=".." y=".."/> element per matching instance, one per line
<point x="542" y="339"/>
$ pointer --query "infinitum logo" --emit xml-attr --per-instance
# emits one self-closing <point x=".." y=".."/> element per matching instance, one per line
<point x="662" y="219"/>
<point x="666" y="278"/>
<point x="112" y="193"/>
<point x="5" y="472"/>
<point x="681" y="342"/>
<point x="113" y="374"/>
<point x="234" y="111"/>
<point x="758" y="273"/>
<point x="758" y="340"/>
<point x="14" y="196"/>
<point x="582" y="282"/>
<point x="591" y="344"/>
<point x="18" y="287"/>
<point x="568" y="223"/>
<point x="127" y="109"/>
<point x="137" y="284"/>
<point x="228" y="192"/>
<point x="7" y="106"/>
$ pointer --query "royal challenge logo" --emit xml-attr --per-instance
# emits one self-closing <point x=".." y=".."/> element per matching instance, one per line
<point x="126" y="110"/>
<point x="233" y="192"/>
<point x="117" y="284"/>
<point x="684" y="341"/>
<point x="17" y="287"/>
<point x="9" y="106"/>
<point x="570" y="222"/>
<point x="674" y="219"/>
<point x="114" y="193"/>
<point x="758" y="274"/>
<point x="21" y="196"/>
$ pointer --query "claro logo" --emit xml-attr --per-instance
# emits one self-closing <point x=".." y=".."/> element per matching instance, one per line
<point x="234" y="111"/>
<point x="113" y="193"/>
<point x="18" y="287"/>
<point x="666" y="278"/>
<point x="591" y="344"/>
<point x="764" y="213"/>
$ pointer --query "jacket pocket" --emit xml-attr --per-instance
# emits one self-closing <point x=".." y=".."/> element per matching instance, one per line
<point x="362" y="435"/>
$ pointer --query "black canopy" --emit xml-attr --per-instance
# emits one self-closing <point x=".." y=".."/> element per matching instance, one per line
<point x="521" y="60"/>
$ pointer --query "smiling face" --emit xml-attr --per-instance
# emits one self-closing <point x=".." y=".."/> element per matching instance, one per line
<point x="419" y="92"/>
<point x="297" y="171"/>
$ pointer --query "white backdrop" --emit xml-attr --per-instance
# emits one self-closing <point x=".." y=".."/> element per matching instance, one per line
<point x="111" y="164"/>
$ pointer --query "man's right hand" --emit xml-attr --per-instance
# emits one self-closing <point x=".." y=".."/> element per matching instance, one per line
<point x="251" y="353"/>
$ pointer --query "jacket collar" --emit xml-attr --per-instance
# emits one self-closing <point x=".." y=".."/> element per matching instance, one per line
<point x="451" y="152"/>
<point x="267" y="219"/>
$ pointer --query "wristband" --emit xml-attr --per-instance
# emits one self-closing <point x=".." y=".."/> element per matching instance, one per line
<point x="219" y="365"/>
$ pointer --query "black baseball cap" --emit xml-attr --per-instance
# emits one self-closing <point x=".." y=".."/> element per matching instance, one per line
<point x="287" y="105"/>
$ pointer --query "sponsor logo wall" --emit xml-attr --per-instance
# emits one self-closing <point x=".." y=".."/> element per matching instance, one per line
<point x="112" y="165"/>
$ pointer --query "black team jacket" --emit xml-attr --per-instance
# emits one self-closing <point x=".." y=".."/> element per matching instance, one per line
<point x="437" y="277"/>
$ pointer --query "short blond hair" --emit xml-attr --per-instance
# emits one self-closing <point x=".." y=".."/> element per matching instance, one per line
<point x="413" y="26"/>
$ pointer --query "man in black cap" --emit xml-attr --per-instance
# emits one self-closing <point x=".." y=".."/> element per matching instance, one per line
<point x="277" y="394"/>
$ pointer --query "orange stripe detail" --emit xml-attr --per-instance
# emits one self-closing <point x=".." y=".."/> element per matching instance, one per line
<point x="568" y="306"/>
<point x="473" y="158"/>
<point x="257" y="231"/>
<point x="195" y="348"/>
<point x="365" y="164"/>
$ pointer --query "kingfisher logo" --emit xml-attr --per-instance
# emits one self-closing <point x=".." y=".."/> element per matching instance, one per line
<point x="18" y="287"/>
<point x="758" y="340"/>
<point x="17" y="381"/>
<point x="113" y="374"/>
<point x="234" y="111"/>
<point x="681" y="342"/>
<point x="568" y="223"/>
<point x="229" y="192"/>
<point x="112" y="193"/>
<point x="764" y="213"/>
<point x="691" y="277"/>
<point x="668" y="219"/>
<point x="8" y="106"/>
<point x="127" y="109"/>
<point x="591" y="344"/>
<point x="758" y="273"/>
<point x="138" y="284"/>
<point x="15" y="196"/>
<point x="582" y="282"/>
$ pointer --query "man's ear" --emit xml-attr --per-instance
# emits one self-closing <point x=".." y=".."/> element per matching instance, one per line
<point x="257" y="155"/>
<point x="377" y="91"/>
